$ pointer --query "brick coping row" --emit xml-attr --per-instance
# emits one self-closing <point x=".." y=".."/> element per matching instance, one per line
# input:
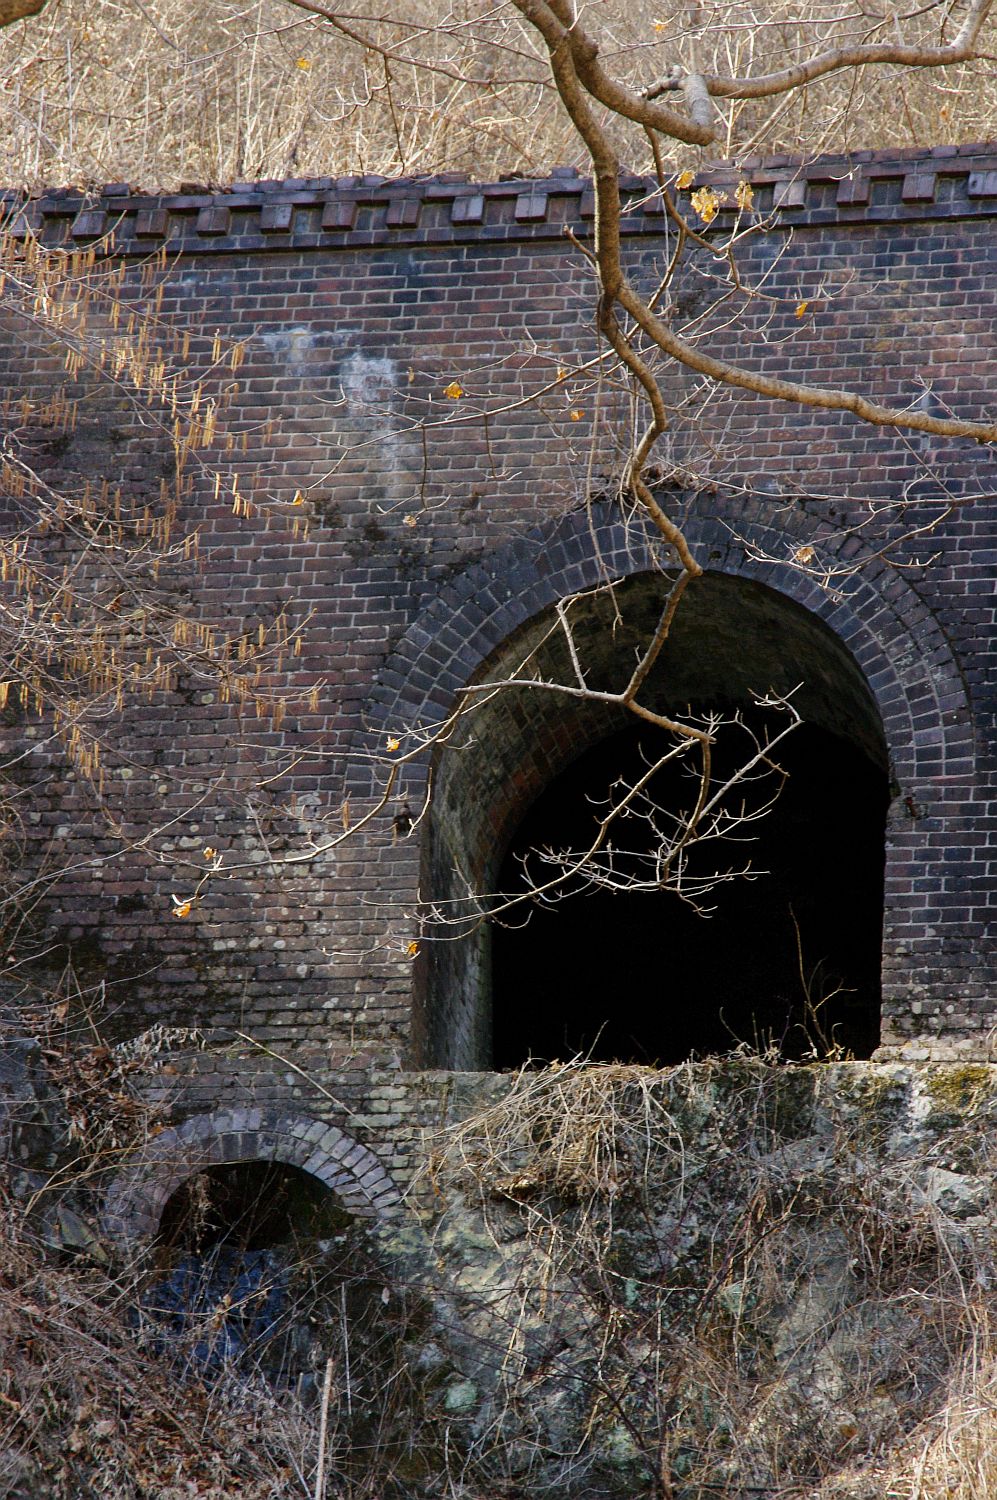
<point x="301" y="213"/>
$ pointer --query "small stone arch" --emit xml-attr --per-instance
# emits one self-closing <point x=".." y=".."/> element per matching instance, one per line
<point x="134" y="1204"/>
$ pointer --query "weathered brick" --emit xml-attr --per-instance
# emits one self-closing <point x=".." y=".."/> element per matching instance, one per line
<point x="348" y="346"/>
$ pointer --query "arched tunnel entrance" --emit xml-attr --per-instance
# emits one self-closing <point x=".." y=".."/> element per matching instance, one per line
<point x="787" y="959"/>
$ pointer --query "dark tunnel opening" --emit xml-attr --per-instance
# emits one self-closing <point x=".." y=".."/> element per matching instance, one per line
<point x="249" y="1206"/>
<point x="789" y="960"/>
<point x="248" y="1255"/>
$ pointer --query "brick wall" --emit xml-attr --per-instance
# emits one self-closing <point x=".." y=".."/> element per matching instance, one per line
<point x="421" y="559"/>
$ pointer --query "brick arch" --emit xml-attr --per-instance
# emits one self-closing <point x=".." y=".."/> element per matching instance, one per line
<point x="878" y="622"/>
<point x="877" y="614"/>
<point x="134" y="1204"/>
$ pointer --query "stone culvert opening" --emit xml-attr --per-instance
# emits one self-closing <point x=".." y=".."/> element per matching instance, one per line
<point x="258" y="1234"/>
<point x="250" y="1206"/>
<point x="258" y="1264"/>
<point x="789" y="959"/>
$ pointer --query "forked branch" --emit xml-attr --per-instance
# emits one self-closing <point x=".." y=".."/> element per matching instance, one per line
<point x="835" y="60"/>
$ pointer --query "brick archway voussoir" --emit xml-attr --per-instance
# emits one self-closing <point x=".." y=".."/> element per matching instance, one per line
<point x="893" y="636"/>
<point x="135" y="1201"/>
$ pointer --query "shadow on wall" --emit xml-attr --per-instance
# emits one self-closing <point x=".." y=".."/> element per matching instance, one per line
<point x="790" y="958"/>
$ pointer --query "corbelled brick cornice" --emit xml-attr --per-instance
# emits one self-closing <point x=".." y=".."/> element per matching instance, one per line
<point x="298" y="213"/>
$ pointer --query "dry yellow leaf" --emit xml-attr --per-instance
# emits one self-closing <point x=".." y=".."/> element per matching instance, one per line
<point x="744" y="196"/>
<point x="182" y="909"/>
<point x="412" y="948"/>
<point x="576" y="414"/>
<point x="685" y="179"/>
<point x="393" y="744"/>
<point x="804" y="555"/>
<point x="801" y="308"/>
<point x="454" y="390"/>
<point x="706" y="203"/>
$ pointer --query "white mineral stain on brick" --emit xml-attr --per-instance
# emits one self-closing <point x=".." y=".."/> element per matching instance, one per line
<point x="292" y="345"/>
<point x="368" y="380"/>
<point x="371" y="386"/>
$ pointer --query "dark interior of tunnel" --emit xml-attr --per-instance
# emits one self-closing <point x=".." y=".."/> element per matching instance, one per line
<point x="250" y="1256"/>
<point x="789" y="959"/>
<point x="248" y="1206"/>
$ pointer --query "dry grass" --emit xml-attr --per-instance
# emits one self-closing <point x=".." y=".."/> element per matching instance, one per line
<point x="87" y="1407"/>
<point x="160" y="91"/>
<point x="84" y="1409"/>
<point x="107" y="1387"/>
<point x="959" y="1458"/>
<point x="748" y="1302"/>
<point x="952" y="1455"/>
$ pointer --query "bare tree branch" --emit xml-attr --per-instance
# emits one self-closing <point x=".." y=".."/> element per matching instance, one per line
<point x="963" y="49"/>
<point x="797" y="392"/>
<point x="565" y="37"/>
<point x="566" y="48"/>
<point x="16" y="10"/>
